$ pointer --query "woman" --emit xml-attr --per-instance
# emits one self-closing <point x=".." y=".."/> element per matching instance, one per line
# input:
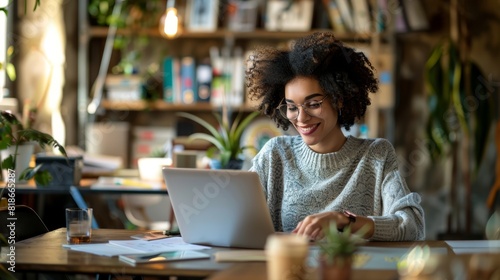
<point x="322" y="176"/>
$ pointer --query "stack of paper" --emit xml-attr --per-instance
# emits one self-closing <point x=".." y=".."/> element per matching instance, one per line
<point x="474" y="246"/>
<point x="122" y="247"/>
<point x="163" y="257"/>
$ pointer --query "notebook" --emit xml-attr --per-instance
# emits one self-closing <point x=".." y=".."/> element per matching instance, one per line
<point x="163" y="257"/>
<point x="225" y="208"/>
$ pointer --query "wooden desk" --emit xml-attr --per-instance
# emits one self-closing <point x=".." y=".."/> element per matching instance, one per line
<point x="250" y="271"/>
<point x="46" y="254"/>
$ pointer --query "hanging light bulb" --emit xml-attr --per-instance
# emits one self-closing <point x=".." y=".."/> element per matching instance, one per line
<point x="169" y="22"/>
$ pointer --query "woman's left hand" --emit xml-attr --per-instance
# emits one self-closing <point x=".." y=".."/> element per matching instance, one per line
<point x="312" y="225"/>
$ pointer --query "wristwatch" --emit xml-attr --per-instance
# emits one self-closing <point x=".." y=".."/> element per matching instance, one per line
<point x="351" y="216"/>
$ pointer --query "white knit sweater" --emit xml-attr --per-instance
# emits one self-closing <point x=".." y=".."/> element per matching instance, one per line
<point x="362" y="177"/>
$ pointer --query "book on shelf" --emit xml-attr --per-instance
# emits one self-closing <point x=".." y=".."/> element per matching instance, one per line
<point x="381" y="15"/>
<point x="236" y="93"/>
<point x="345" y="10"/>
<point x="204" y="81"/>
<point x="361" y="16"/>
<point x="415" y="15"/>
<point x="123" y="87"/>
<point x="334" y="16"/>
<point x="171" y="79"/>
<point x="188" y="80"/>
<point x="399" y="19"/>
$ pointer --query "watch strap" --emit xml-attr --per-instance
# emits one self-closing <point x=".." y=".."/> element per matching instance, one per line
<point x="351" y="216"/>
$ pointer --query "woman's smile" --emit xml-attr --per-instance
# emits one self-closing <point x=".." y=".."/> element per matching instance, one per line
<point x="307" y="129"/>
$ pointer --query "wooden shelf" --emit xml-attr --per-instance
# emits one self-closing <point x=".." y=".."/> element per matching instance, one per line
<point x="158" y="105"/>
<point x="223" y="33"/>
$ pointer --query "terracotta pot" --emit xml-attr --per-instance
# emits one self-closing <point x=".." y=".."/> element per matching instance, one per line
<point x="339" y="269"/>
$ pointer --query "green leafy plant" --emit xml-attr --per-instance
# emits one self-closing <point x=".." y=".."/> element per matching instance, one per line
<point x="460" y="119"/>
<point x="135" y="15"/>
<point x="458" y="102"/>
<point x="13" y="133"/>
<point x="9" y="67"/>
<point x="6" y="11"/>
<point x="339" y="245"/>
<point x="461" y="100"/>
<point x="226" y="138"/>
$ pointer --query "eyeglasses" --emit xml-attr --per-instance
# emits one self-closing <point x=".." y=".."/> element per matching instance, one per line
<point x="290" y="111"/>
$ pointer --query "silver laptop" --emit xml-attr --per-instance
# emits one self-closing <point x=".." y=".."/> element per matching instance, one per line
<point x="224" y="208"/>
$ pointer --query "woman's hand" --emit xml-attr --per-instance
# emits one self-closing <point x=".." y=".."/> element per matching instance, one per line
<point x="312" y="225"/>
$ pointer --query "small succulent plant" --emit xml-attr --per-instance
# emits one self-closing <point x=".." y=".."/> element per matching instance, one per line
<point x="340" y="244"/>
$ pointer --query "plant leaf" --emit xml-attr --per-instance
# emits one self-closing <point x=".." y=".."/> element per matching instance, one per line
<point x="10" y="69"/>
<point x="29" y="172"/>
<point x="208" y="138"/>
<point x="43" y="178"/>
<point x="8" y="163"/>
<point x="43" y="139"/>
<point x="201" y="122"/>
<point x="483" y="114"/>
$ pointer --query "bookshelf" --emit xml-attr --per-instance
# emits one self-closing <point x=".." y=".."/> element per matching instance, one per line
<point x="197" y="44"/>
<point x="258" y="34"/>
<point x="159" y="105"/>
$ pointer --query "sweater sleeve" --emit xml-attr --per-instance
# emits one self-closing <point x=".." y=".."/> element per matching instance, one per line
<point x="260" y="164"/>
<point x="402" y="217"/>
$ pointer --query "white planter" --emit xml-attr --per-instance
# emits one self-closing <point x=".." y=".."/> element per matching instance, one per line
<point x="24" y="154"/>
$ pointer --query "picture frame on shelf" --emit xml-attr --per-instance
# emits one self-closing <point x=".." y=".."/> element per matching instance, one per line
<point x="281" y="17"/>
<point x="202" y="15"/>
<point x="242" y="15"/>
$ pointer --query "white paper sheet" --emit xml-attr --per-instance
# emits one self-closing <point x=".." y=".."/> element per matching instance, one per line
<point x="474" y="243"/>
<point x="474" y="246"/>
<point x="121" y="247"/>
<point x="102" y="249"/>
<point x="159" y="245"/>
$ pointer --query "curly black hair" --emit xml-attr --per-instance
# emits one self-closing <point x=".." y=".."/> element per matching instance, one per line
<point x="345" y="75"/>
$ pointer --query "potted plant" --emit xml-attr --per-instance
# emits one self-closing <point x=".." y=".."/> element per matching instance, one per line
<point x="226" y="138"/>
<point x="14" y="137"/>
<point x="461" y="114"/>
<point x="337" y="250"/>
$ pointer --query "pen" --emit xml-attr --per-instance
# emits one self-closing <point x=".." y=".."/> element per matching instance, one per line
<point x="171" y="232"/>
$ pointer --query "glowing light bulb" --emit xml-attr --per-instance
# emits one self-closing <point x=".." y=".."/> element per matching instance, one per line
<point x="169" y="24"/>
